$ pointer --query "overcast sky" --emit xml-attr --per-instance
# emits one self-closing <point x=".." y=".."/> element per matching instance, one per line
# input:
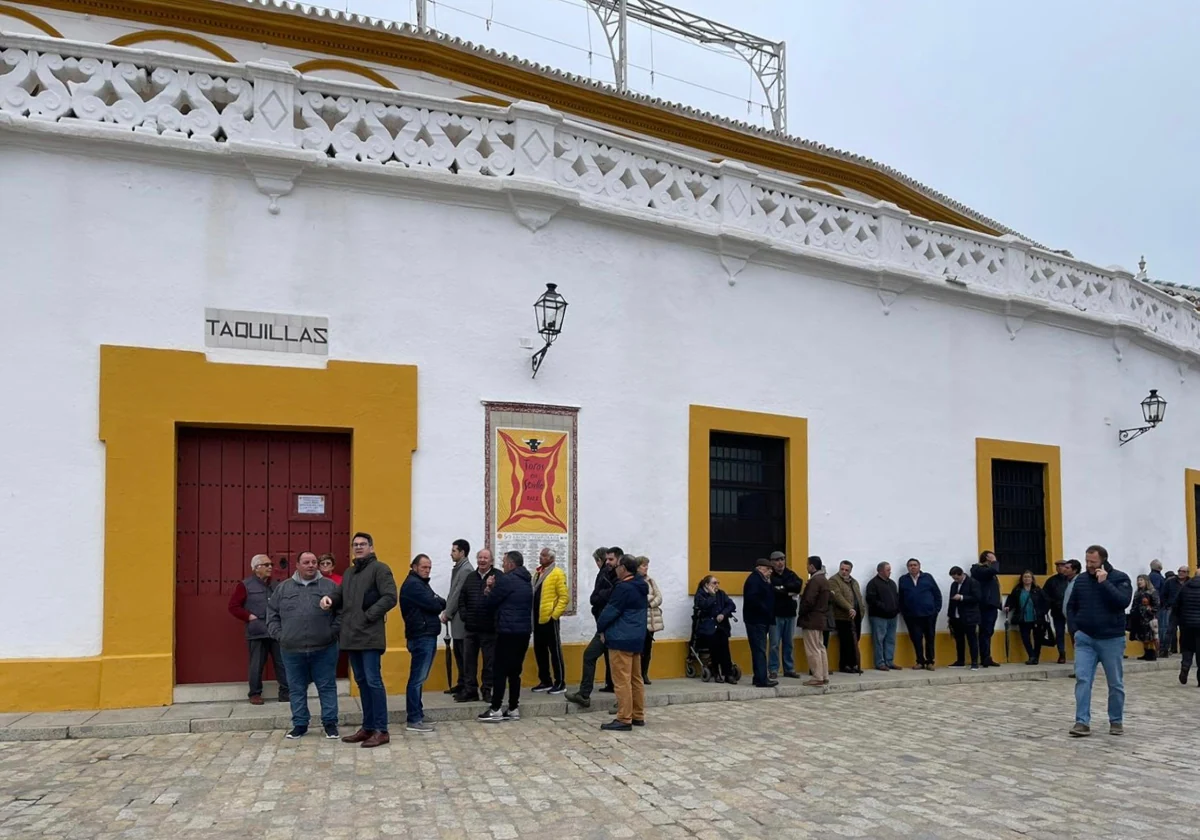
<point x="1075" y="122"/>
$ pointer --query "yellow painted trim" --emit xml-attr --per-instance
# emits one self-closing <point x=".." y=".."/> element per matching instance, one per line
<point x="484" y="99"/>
<point x="191" y="40"/>
<point x="817" y="185"/>
<point x="1191" y="480"/>
<point x="704" y="420"/>
<point x="986" y="451"/>
<point x="30" y="18"/>
<point x="246" y="22"/>
<point x="317" y="64"/>
<point x="144" y="395"/>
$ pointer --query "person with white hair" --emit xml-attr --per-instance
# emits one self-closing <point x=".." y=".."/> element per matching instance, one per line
<point x="549" y="603"/>
<point x="248" y="604"/>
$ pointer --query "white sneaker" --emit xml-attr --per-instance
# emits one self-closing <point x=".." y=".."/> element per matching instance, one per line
<point x="490" y="715"/>
<point x="514" y="714"/>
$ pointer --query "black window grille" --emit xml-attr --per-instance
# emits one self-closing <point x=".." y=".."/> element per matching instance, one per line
<point x="747" y="500"/>
<point x="1196" y="502"/>
<point x="1019" y="516"/>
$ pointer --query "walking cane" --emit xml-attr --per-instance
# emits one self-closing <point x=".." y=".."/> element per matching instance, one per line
<point x="857" y="647"/>
<point x="449" y="658"/>
<point x="1007" y="653"/>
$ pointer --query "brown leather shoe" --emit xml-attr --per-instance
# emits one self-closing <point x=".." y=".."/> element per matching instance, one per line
<point x="358" y="737"/>
<point x="377" y="739"/>
<point x="929" y="667"/>
<point x="256" y="700"/>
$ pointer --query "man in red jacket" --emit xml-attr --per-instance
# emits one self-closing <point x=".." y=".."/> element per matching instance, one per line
<point x="249" y="604"/>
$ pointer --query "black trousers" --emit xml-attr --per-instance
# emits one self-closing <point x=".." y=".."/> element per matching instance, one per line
<point x="547" y="649"/>
<point x="921" y="629"/>
<point x="474" y="644"/>
<point x="966" y="637"/>
<point x="260" y="649"/>
<point x="510" y="657"/>
<point x="1033" y="645"/>
<point x="848" y="631"/>
<point x="718" y="654"/>
<point x="987" y="627"/>
<point x="458" y="646"/>
<point x="649" y="643"/>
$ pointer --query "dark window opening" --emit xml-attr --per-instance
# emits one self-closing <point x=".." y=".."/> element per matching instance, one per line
<point x="1019" y="516"/>
<point x="747" y="500"/>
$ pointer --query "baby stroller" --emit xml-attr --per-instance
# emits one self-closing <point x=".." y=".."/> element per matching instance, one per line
<point x="698" y="662"/>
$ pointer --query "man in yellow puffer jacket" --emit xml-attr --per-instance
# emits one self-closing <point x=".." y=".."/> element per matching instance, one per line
<point x="549" y="604"/>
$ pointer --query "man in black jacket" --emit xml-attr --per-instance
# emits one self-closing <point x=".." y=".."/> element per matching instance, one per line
<point x="510" y="600"/>
<point x="787" y="585"/>
<point x="1187" y="617"/>
<point x="986" y="574"/>
<point x="963" y="615"/>
<point x="422" y="609"/>
<point x="606" y="579"/>
<point x="883" y="605"/>
<point x="1096" y="608"/>
<point x="481" y="632"/>
<point x="1055" y="589"/>
<point x="1170" y="595"/>
<point x="758" y="611"/>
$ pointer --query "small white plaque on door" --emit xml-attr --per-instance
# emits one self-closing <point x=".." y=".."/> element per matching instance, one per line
<point x="310" y="505"/>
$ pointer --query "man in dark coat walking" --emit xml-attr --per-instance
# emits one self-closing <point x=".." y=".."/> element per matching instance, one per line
<point x="366" y="594"/>
<point x="1187" y="615"/>
<point x="758" y="611"/>
<point x="987" y="574"/>
<point x="510" y="599"/>
<point x="963" y="617"/>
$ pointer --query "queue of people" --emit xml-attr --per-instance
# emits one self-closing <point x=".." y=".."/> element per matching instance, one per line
<point x="302" y="623"/>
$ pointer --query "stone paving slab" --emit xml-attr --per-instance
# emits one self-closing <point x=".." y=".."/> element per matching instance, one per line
<point x="976" y="759"/>
<point x="240" y="716"/>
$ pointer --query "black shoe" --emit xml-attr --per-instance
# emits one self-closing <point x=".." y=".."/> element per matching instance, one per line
<point x="645" y="680"/>
<point x="284" y="698"/>
<point x="453" y="690"/>
<point x="617" y="726"/>
<point x="558" y="689"/>
<point x="767" y="684"/>
<point x="731" y="680"/>
<point x="578" y="699"/>
<point x="297" y="732"/>
<point x="1183" y="675"/>
<point x="331" y="731"/>
<point x="466" y="698"/>
<point x="542" y="687"/>
<point x="639" y="723"/>
<point x="608" y="689"/>
<point x="959" y="664"/>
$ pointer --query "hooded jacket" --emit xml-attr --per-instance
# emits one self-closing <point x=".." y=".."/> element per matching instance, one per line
<point x="367" y="592"/>
<point x="421" y="607"/>
<point x="623" y="619"/>
<point x="511" y="602"/>
<point x="295" y="618"/>
<point x="1098" y="609"/>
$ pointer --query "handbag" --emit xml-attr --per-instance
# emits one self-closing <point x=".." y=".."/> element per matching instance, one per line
<point x="1049" y="639"/>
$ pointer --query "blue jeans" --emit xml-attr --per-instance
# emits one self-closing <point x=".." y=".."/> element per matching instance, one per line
<point x="421" y="651"/>
<point x="320" y="667"/>
<point x="783" y="634"/>
<point x="1060" y="635"/>
<point x="1166" y="630"/>
<point x="883" y="640"/>
<point x="365" y="664"/>
<point x="1108" y="653"/>
<point x="757" y="634"/>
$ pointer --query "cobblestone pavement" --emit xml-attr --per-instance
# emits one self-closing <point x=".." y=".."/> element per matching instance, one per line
<point x="989" y="760"/>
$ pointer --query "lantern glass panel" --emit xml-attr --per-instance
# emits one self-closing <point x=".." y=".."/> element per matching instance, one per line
<point x="1154" y="408"/>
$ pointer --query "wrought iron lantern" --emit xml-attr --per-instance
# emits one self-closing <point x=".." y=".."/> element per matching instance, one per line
<point x="549" y="310"/>
<point x="1154" y="408"/>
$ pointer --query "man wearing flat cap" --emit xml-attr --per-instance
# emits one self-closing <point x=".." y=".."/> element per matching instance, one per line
<point x="787" y="585"/>
<point x="758" y="611"/>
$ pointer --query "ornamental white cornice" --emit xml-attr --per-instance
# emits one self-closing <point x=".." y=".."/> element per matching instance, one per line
<point x="279" y="127"/>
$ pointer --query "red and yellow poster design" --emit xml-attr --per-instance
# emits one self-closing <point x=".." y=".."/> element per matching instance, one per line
<point x="532" y="492"/>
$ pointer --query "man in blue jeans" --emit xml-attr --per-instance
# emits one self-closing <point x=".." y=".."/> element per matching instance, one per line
<point x="422" y="610"/>
<point x="787" y="585"/>
<point x="364" y="597"/>
<point x="758" y="611"/>
<point x="1096" y="608"/>
<point x="307" y="637"/>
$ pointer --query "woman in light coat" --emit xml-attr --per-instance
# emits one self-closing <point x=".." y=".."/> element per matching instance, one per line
<point x="654" y="616"/>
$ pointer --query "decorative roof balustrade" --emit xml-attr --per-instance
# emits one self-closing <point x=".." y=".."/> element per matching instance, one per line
<point x="266" y="108"/>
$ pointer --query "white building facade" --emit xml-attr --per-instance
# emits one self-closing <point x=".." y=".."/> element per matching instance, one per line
<point x="405" y="221"/>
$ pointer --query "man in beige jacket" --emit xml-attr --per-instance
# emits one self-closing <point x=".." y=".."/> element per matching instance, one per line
<point x="848" y="609"/>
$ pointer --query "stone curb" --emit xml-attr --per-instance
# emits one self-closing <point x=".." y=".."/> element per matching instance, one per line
<point x="702" y="693"/>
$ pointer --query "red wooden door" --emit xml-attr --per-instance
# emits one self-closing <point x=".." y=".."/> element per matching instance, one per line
<point x="240" y="494"/>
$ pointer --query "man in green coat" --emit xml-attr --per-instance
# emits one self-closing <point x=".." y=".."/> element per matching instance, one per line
<point x="364" y="597"/>
<point x="848" y="609"/>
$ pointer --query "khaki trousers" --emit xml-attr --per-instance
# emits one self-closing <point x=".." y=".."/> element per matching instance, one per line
<point x="627" y="679"/>
<point x="818" y="660"/>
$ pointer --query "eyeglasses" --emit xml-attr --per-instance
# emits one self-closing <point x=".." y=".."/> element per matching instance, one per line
<point x="265" y="566"/>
